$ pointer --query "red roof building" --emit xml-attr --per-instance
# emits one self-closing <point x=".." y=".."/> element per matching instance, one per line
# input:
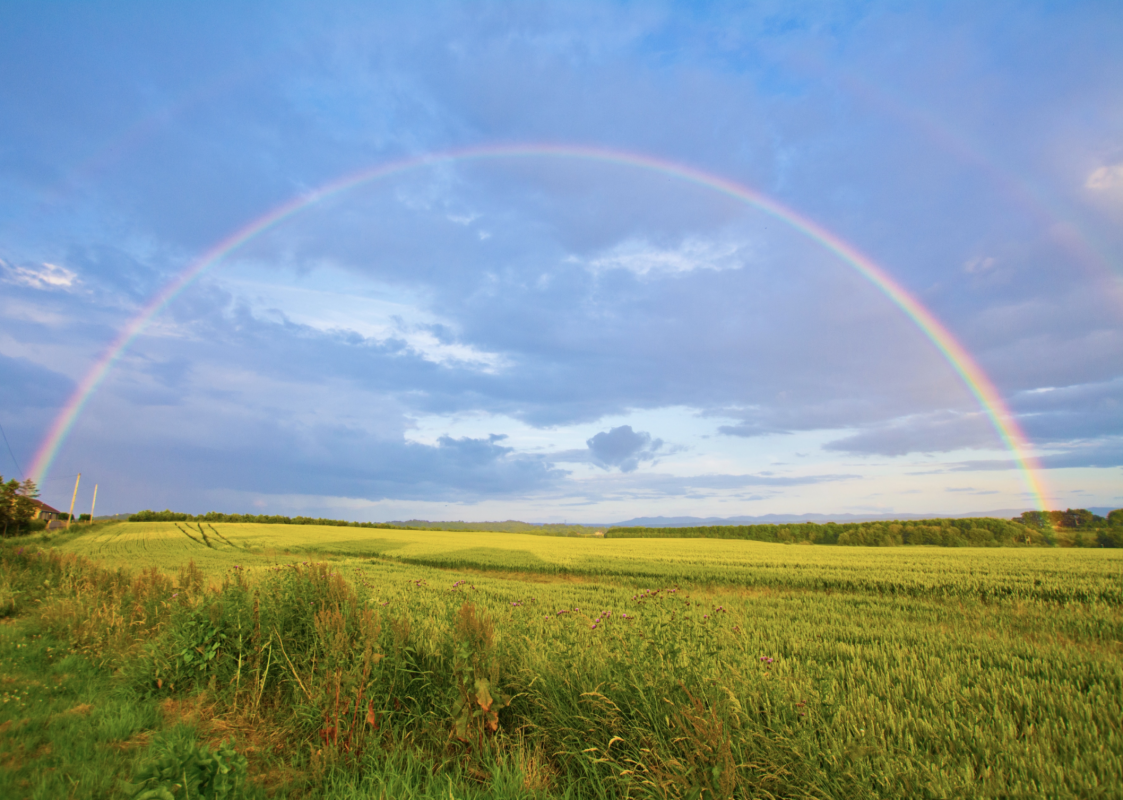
<point x="45" y="512"/>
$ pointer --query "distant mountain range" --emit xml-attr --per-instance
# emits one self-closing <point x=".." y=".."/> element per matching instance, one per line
<point x="775" y="519"/>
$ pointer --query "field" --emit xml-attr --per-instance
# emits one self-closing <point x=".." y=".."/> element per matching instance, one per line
<point x="429" y="663"/>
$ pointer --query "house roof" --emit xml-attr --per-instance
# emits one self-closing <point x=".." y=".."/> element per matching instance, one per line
<point x="44" y="507"/>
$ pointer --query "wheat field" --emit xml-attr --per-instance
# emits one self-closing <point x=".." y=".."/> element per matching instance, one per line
<point x="663" y="668"/>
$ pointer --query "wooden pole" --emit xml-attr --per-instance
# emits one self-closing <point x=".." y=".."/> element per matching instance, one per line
<point x="93" y="504"/>
<point x="73" y="497"/>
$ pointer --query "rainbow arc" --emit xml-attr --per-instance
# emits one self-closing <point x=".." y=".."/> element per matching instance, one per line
<point x="972" y="375"/>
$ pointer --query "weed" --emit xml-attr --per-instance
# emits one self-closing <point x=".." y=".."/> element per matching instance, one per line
<point x="182" y="769"/>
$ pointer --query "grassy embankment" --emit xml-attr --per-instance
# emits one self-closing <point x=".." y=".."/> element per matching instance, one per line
<point x="431" y="663"/>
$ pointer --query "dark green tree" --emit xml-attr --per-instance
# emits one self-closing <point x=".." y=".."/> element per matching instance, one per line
<point x="17" y="505"/>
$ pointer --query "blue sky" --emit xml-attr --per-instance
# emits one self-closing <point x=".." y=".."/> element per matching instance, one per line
<point x="562" y="339"/>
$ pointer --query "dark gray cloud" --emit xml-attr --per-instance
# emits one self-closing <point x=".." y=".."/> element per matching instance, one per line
<point x="1073" y="413"/>
<point x="1102" y="453"/>
<point x="623" y="448"/>
<point x="332" y="462"/>
<point x="939" y="432"/>
<point x="651" y="486"/>
<point x="748" y="430"/>
<point x="24" y="384"/>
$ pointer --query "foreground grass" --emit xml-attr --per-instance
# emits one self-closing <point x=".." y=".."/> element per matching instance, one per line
<point x="375" y="672"/>
<point x="68" y="726"/>
<point x="64" y="728"/>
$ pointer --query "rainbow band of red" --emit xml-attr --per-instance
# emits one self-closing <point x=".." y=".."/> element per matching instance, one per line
<point x="957" y="357"/>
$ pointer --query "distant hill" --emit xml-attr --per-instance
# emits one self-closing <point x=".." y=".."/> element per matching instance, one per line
<point x="775" y="519"/>
<point x="507" y="526"/>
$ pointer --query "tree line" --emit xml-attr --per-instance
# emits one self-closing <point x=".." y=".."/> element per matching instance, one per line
<point x="1070" y="528"/>
<point x="509" y="526"/>
<point x="264" y="519"/>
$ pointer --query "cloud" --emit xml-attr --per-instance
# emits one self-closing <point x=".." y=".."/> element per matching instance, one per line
<point x="649" y="486"/>
<point x="45" y="276"/>
<point x="1104" y="453"/>
<point x="749" y="430"/>
<point x="25" y="384"/>
<point x="643" y="258"/>
<point x="1106" y="177"/>
<point x="623" y="448"/>
<point x="339" y="461"/>
<point x="938" y="432"/>
<point x="1073" y="413"/>
<point x="980" y="264"/>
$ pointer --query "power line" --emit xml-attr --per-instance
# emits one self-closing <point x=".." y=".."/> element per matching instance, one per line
<point x="13" y="455"/>
<point x="59" y="478"/>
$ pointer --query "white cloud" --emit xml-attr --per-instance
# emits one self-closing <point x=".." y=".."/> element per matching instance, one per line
<point x="331" y="302"/>
<point x="46" y="276"/>
<point x="643" y="258"/>
<point x="980" y="264"/>
<point x="1108" y="177"/>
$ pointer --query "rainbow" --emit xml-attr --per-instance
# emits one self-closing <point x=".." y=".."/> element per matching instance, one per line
<point x="957" y="357"/>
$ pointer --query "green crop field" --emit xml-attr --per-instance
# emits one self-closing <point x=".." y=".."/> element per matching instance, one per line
<point x="1027" y="573"/>
<point x="466" y="664"/>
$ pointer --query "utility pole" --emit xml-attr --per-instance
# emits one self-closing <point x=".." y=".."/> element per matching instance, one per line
<point x="73" y="497"/>
<point x="94" y="503"/>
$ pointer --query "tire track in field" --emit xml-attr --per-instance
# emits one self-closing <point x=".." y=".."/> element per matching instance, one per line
<point x="223" y="538"/>
<point x="187" y="533"/>
<point x="203" y="533"/>
<point x="134" y="543"/>
<point x="103" y="542"/>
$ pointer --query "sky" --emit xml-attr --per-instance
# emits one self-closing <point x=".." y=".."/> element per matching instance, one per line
<point x="523" y="260"/>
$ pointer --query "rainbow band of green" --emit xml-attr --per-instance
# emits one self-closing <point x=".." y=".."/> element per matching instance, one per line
<point x="957" y="357"/>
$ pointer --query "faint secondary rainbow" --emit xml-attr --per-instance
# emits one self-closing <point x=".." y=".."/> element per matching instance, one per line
<point x="957" y="357"/>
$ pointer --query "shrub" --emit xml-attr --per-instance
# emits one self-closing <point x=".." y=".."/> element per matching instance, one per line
<point x="1110" y="537"/>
